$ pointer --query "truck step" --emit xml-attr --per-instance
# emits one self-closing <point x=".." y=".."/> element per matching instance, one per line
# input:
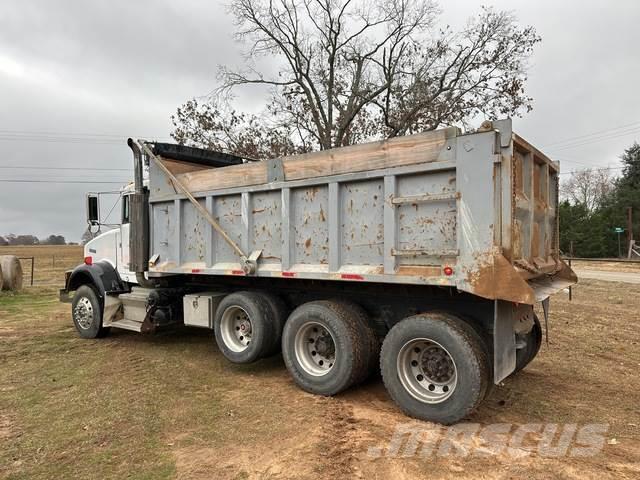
<point x="135" y="304"/>
<point x="128" y="325"/>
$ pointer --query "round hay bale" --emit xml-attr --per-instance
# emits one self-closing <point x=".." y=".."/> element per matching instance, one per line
<point x="1" y="279"/>
<point x="11" y="272"/>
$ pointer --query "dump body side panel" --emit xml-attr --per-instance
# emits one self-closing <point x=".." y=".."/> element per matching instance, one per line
<point x="434" y="209"/>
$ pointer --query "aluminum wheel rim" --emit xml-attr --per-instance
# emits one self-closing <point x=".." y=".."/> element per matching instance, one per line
<point x="315" y="349"/>
<point x="236" y="329"/>
<point x="83" y="313"/>
<point x="427" y="370"/>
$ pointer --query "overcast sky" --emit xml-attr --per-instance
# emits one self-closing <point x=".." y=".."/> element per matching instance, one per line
<point x="78" y="77"/>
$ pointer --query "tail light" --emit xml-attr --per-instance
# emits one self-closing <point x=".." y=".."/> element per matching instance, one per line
<point x="88" y="260"/>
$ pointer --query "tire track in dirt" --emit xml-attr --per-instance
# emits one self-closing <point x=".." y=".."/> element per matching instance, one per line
<point x="338" y="442"/>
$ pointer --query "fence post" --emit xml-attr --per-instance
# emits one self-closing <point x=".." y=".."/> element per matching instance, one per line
<point x="570" y="257"/>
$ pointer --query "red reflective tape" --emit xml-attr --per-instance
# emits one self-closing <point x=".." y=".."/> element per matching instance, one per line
<point x="237" y="272"/>
<point x="195" y="270"/>
<point x="288" y="274"/>
<point x="352" y="276"/>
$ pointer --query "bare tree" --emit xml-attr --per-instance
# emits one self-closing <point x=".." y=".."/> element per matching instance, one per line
<point x="352" y="70"/>
<point x="589" y="187"/>
<point x="211" y="126"/>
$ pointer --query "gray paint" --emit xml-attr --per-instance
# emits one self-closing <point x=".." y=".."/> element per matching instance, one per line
<point x="397" y="225"/>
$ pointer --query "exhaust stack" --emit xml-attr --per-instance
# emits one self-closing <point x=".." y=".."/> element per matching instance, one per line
<point x="139" y="216"/>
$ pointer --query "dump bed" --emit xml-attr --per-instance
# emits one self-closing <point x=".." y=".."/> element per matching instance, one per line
<point x="475" y="211"/>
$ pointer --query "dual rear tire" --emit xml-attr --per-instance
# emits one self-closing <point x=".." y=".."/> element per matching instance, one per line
<point x="435" y="366"/>
<point x="329" y="346"/>
<point x="248" y="325"/>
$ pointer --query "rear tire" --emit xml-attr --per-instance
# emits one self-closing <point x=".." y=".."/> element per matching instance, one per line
<point x="525" y="355"/>
<point x="326" y="346"/>
<point x="86" y="311"/>
<point x="435" y="367"/>
<point x="279" y="312"/>
<point x="243" y="326"/>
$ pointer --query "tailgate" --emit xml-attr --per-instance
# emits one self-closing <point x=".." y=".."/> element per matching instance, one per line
<point x="534" y="196"/>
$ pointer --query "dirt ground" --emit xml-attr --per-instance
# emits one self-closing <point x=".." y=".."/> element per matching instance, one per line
<point x="170" y="406"/>
<point x="632" y="267"/>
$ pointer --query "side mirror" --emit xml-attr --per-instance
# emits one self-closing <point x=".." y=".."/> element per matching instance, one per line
<point x="93" y="210"/>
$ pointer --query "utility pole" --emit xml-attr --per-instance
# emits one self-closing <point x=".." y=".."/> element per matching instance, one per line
<point x="630" y="224"/>
<point x="630" y="229"/>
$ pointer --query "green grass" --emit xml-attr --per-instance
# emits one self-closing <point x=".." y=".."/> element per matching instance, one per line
<point x="170" y="406"/>
<point x="109" y="408"/>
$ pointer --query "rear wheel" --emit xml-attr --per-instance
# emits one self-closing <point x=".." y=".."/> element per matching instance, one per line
<point x="278" y="315"/>
<point x="243" y="327"/>
<point x="86" y="312"/>
<point x="326" y="346"/>
<point x="533" y="341"/>
<point x="435" y="367"/>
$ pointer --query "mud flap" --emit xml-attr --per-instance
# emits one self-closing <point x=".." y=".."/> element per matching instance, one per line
<point x="147" y="325"/>
<point x="508" y="319"/>
<point x="504" y="340"/>
<point x="545" y="310"/>
<point x="112" y="306"/>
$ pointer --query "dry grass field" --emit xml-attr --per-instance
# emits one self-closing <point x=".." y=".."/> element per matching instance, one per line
<point x="50" y="261"/>
<point x="170" y="406"/>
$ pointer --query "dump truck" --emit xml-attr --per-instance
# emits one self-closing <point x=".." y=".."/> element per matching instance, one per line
<point x="419" y="258"/>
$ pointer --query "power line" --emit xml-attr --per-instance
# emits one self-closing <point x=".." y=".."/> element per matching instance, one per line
<point x="592" y="169"/>
<point x="597" y="139"/>
<point x="70" y="138"/>
<point x="74" y="134"/>
<point x="68" y="168"/>
<point x="571" y="139"/>
<point x="57" y="181"/>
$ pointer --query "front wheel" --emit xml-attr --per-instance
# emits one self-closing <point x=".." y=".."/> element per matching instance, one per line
<point x="435" y="367"/>
<point x="86" y="312"/>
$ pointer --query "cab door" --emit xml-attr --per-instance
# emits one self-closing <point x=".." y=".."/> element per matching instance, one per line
<point x="123" y="242"/>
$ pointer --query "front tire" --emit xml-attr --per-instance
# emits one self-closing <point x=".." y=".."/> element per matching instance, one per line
<point x="435" y="367"/>
<point x="86" y="311"/>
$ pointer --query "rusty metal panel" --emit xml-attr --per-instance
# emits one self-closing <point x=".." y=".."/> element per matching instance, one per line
<point x="266" y="226"/>
<point x="163" y="227"/>
<point x="487" y="208"/>
<point x="428" y="222"/>
<point x="228" y="213"/>
<point x="309" y="221"/>
<point x="193" y="241"/>
<point x="361" y="219"/>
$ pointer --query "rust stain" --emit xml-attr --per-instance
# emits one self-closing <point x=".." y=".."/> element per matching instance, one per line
<point x="419" y="270"/>
<point x="307" y="243"/>
<point x="496" y="278"/>
<point x="535" y="240"/>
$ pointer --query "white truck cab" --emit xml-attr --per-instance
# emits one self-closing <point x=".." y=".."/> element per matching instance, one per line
<point x="112" y="246"/>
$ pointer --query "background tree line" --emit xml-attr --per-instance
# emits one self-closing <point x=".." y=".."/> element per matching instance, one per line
<point x="339" y="72"/>
<point x="12" y="239"/>
<point x="594" y="204"/>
